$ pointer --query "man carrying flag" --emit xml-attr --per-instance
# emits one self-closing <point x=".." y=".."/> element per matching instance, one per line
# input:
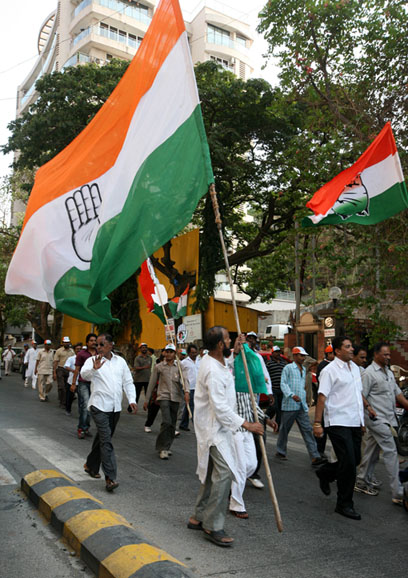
<point x="368" y="192"/>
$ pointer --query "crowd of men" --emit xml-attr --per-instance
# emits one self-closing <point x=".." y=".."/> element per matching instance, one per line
<point x="208" y="387"/>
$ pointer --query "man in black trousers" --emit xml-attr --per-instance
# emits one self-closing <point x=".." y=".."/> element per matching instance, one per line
<point x="341" y="399"/>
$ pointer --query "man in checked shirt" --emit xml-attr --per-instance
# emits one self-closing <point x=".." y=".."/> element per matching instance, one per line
<point x="245" y="446"/>
<point x="294" y="408"/>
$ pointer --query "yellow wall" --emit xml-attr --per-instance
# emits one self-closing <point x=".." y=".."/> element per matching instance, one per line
<point x="75" y="329"/>
<point x="219" y="313"/>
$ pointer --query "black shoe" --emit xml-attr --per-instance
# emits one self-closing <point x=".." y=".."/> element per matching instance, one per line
<point x="324" y="485"/>
<point x="348" y="512"/>
<point x="184" y="428"/>
<point x="316" y="462"/>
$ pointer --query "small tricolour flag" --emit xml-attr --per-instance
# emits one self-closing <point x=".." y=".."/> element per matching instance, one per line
<point x="156" y="297"/>
<point x="368" y="192"/>
<point x="125" y="186"/>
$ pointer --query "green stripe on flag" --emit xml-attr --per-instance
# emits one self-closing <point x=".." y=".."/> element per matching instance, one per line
<point x="161" y="201"/>
<point x="381" y="207"/>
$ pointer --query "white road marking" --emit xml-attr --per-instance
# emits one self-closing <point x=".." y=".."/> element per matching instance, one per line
<point x="60" y="456"/>
<point x="6" y="479"/>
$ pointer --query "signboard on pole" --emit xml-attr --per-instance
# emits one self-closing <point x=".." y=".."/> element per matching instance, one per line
<point x="193" y="327"/>
<point x="170" y="330"/>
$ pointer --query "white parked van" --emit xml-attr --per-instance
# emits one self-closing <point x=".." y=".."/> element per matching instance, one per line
<point x="276" y="331"/>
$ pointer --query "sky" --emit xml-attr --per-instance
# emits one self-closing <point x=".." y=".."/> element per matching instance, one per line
<point x="21" y="22"/>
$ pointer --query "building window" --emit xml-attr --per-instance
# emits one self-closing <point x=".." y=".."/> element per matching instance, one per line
<point x="241" y="41"/>
<point x="217" y="35"/>
<point x="224" y="63"/>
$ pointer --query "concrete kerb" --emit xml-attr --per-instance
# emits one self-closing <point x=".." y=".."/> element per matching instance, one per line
<point x="105" y="541"/>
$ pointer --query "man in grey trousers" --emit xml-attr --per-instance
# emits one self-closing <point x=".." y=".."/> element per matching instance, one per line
<point x="380" y="392"/>
<point x="215" y="422"/>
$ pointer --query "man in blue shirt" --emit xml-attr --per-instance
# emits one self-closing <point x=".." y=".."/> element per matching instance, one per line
<point x="294" y="408"/>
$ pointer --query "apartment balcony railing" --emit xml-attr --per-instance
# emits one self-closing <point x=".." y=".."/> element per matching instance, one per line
<point x="136" y="12"/>
<point x="118" y="36"/>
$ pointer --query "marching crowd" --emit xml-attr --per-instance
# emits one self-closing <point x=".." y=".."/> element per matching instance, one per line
<point x="354" y="408"/>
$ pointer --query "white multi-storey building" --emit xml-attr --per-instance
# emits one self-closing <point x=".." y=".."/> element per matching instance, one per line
<point x="78" y="31"/>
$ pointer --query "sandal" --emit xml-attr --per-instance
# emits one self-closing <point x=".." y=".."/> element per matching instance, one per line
<point x="192" y="526"/>
<point x="111" y="485"/>
<point x="219" y="538"/>
<point x="242" y="515"/>
<point x="91" y="473"/>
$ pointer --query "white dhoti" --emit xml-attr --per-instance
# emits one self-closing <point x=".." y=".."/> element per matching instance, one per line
<point x="245" y="467"/>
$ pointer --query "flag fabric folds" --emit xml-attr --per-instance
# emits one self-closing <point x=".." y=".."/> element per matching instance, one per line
<point x="368" y="192"/>
<point x="134" y="174"/>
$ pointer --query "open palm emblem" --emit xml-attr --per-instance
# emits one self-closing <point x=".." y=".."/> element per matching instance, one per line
<point x="354" y="200"/>
<point x="83" y="213"/>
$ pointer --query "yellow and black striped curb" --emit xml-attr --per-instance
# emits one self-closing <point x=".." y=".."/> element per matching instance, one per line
<point x="105" y="541"/>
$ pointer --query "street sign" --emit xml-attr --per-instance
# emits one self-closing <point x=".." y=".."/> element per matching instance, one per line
<point x="193" y="327"/>
<point x="330" y="332"/>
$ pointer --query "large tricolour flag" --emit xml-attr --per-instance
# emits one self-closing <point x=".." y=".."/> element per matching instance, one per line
<point x="128" y="183"/>
<point x="370" y="191"/>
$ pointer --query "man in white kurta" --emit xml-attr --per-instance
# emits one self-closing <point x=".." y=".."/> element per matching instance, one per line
<point x="215" y="422"/>
<point x="31" y="358"/>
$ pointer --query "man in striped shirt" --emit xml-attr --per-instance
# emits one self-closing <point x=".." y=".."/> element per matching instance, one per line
<point x="275" y="367"/>
<point x="294" y="408"/>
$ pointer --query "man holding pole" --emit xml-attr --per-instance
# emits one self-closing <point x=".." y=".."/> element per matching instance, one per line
<point x="169" y="395"/>
<point x="215" y="421"/>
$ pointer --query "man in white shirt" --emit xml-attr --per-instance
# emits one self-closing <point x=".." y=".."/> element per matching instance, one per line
<point x="109" y="376"/>
<point x="8" y="356"/>
<point x="340" y="396"/>
<point x="216" y="421"/>
<point x="190" y="364"/>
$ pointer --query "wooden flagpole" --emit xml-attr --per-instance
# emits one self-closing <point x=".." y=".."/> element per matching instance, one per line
<point x="218" y="222"/>
<point x="171" y="336"/>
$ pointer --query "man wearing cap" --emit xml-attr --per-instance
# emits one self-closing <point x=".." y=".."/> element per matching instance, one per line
<point x="169" y="395"/>
<point x="60" y="373"/>
<point x="275" y="367"/>
<point x="44" y="370"/>
<point x="341" y="400"/>
<point x="295" y="408"/>
<point x="31" y="358"/>
<point x="142" y="368"/>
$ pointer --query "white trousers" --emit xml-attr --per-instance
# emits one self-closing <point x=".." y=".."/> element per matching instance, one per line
<point x="246" y="465"/>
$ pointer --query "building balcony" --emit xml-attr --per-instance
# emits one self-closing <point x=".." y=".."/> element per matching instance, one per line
<point x="114" y="8"/>
<point x="121" y="44"/>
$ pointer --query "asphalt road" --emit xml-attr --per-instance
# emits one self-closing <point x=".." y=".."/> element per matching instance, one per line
<point x="157" y="497"/>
